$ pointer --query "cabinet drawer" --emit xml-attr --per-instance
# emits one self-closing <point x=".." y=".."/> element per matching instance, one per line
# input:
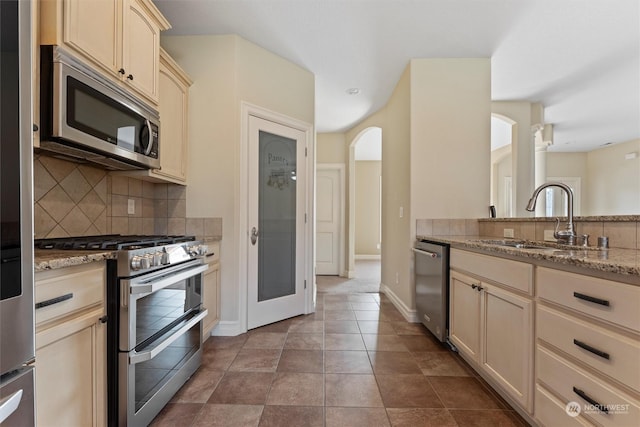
<point x="613" y="302"/>
<point x="569" y="381"/>
<point x="608" y="352"/>
<point x="513" y="274"/>
<point x="551" y="412"/>
<point x="68" y="290"/>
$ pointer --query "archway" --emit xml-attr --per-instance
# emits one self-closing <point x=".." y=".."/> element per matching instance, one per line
<point x="365" y="147"/>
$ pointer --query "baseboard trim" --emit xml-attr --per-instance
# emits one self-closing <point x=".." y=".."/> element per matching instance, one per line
<point x="368" y="257"/>
<point x="227" y="329"/>
<point x="410" y="315"/>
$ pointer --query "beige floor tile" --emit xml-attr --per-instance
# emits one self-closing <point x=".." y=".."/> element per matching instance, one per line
<point x="297" y="341"/>
<point x="199" y="387"/>
<point x="463" y="393"/>
<point x="273" y="340"/>
<point x="301" y="361"/>
<point x="278" y="416"/>
<point x="343" y="342"/>
<point x="393" y="362"/>
<point x="356" y="417"/>
<point x="297" y="389"/>
<point x="341" y="327"/>
<point x="177" y="415"/>
<point x="347" y="362"/>
<point x="407" y="391"/>
<point x="486" y="418"/>
<point x="439" y="363"/>
<point x="214" y="415"/>
<point x="383" y="343"/>
<point x="243" y="388"/>
<point x="256" y="359"/>
<point x="423" y="417"/>
<point x="355" y="390"/>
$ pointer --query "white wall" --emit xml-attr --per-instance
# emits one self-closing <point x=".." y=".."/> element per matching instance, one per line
<point x="226" y="71"/>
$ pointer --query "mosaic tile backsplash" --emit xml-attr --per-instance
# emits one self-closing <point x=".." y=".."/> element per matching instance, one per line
<point x="73" y="199"/>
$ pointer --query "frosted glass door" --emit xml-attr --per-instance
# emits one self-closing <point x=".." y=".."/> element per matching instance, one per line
<point x="276" y="233"/>
<point x="276" y="216"/>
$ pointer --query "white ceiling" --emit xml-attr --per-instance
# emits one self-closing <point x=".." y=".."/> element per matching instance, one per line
<point x="579" y="58"/>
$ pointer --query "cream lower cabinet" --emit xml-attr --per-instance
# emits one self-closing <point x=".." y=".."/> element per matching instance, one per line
<point x="588" y="350"/>
<point x="71" y="346"/>
<point x="492" y="326"/>
<point x="211" y="291"/>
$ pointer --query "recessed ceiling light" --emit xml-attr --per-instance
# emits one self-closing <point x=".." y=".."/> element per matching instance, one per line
<point x="353" y="91"/>
<point x="606" y="143"/>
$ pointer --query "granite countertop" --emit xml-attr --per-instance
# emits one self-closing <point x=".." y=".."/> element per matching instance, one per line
<point x="51" y="259"/>
<point x="618" y="261"/>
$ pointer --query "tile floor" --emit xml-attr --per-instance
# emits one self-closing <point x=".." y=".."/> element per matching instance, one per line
<point x="355" y="362"/>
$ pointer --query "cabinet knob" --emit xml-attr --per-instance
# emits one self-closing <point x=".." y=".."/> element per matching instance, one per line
<point x="130" y="76"/>
<point x="103" y="319"/>
<point x="474" y="286"/>
<point x="121" y="71"/>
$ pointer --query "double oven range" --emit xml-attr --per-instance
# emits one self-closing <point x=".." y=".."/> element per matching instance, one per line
<point x="154" y="319"/>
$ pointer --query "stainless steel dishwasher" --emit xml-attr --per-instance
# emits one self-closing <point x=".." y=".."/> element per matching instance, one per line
<point x="431" y="273"/>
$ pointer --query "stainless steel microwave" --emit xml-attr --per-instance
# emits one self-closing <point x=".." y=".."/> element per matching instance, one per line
<point x="86" y="117"/>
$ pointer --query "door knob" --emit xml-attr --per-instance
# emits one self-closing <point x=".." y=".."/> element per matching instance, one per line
<point x="254" y="235"/>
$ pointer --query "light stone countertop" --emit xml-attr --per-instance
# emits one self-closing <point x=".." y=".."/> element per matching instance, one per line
<point x="624" y="262"/>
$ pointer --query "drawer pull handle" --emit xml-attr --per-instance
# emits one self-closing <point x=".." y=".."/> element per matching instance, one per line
<point x="592" y="401"/>
<point x="591" y="299"/>
<point x="52" y="301"/>
<point x="591" y="349"/>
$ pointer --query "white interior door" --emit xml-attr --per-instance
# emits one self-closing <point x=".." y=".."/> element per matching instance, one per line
<point x="276" y="222"/>
<point x="328" y="220"/>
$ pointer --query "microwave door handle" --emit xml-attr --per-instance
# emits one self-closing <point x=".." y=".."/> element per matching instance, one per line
<point x="150" y="140"/>
<point x="143" y="356"/>
<point x="164" y="281"/>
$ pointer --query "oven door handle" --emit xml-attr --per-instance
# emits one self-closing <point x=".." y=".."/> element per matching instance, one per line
<point x="143" y="356"/>
<point x="163" y="281"/>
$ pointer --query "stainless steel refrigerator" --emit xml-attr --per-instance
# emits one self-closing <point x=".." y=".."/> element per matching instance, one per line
<point x="17" y="348"/>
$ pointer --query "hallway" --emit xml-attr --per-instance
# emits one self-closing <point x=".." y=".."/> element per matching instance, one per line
<point x="366" y="279"/>
<point x="356" y="362"/>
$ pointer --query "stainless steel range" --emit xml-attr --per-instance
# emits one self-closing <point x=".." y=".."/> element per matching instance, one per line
<point x="155" y="312"/>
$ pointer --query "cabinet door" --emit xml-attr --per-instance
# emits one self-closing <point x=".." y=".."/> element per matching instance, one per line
<point x="91" y="28"/>
<point x="464" y="316"/>
<point x="507" y="353"/>
<point x="71" y="373"/>
<point x="211" y="298"/>
<point x="173" y="125"/>
<point x="141" y="50"/>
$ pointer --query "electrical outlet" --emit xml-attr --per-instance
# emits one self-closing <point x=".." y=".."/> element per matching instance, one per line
<point x="548" y="236"/>
<point x="401" y="211"/>
<point x="397" y="278"/>
<point x="508" y="232"/>
<point x="131" y="206"/>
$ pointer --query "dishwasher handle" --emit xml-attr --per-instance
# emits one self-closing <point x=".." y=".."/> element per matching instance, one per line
<point x="423" y="252"/>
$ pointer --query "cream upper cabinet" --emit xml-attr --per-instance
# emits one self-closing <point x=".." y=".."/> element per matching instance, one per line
<point x="119" y="37"/>
<point x="71" y="346"/>
<point x="491" y="325"/>
<point x="174" y="111"/>
<point x="174" y="121"/>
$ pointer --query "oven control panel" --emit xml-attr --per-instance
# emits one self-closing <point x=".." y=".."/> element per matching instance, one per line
<point x="143" y="259"/>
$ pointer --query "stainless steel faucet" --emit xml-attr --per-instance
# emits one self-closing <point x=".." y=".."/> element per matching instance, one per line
<point x="568" y="235"/>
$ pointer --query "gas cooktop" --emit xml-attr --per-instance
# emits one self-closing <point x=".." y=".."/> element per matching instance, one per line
<point x="109" y="242"/>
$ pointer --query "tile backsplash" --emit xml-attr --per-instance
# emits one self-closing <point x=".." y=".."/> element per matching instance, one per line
<point x="623" y="231"/>
<point x="73" y="199"/>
